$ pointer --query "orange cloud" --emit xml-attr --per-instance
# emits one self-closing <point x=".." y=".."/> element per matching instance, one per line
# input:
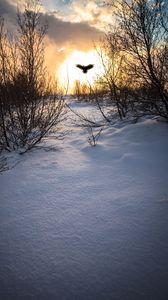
<point x="63" y="36"/>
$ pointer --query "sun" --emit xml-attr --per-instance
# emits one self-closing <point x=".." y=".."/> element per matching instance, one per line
<point x="68" y="73"/>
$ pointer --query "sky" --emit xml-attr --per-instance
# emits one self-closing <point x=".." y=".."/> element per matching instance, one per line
<point x="73" y="25"/>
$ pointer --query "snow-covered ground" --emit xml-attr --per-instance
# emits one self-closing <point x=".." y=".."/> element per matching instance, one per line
<point x="88" y="223"/>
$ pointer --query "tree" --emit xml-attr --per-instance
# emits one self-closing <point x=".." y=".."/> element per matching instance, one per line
<point x="29" y="112"/>
<point x="31" y="51"/>
<point x="145" y="42"/>
<point x="114" y="79"/>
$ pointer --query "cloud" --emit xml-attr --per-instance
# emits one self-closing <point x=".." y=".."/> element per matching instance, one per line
<point x="65" y="37"/>
<point x="77" y="35"/>
<point x="8" y="12"/>
<point x="94" y="12"/>
<point x="62" y="37"/>
<point x="6" y="7"/>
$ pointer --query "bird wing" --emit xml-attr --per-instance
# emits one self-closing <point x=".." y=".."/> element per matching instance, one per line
<point x="80" y="67"/>
<point x="88" y="67"/>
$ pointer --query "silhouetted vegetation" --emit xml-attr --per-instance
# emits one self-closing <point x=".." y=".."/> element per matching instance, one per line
<point x="136" y="58"/>
<point x="26" y="114"/>
<point x="134" y="55"/>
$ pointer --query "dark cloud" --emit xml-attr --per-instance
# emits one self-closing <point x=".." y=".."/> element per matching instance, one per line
<point x="61" y="32"/>
<point x="64" y="35"/>
<point x="6" y="8"/>
<point x="8" y="12"/>
<point x="75" y="34"/>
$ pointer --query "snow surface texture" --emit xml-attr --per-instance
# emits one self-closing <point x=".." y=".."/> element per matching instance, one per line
<point x="85" y="222"/>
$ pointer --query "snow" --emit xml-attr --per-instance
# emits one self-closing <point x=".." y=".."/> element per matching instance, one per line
<point x="82" y="222"/>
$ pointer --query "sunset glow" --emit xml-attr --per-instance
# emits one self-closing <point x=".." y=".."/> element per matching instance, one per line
<point x="68" y="73"/>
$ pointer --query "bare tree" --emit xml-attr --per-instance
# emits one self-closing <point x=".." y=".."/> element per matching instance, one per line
<point x="145" y="42"/>
<point x="5" y="80"/>
<point x="114" y="79"/>
<point x="31" y="51"/>
<point x="29" y="112"/>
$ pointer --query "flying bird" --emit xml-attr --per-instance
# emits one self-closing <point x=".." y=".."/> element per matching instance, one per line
<point x="85" y="68"/>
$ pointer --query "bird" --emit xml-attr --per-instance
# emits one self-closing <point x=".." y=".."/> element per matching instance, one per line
<point x="85" y="68"/>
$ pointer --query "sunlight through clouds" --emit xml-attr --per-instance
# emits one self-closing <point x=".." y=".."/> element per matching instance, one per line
<point x="68" y="73"/>
<point x="72" y="26"/>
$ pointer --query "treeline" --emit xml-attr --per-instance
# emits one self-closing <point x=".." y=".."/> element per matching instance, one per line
<point x="26" y="115"/>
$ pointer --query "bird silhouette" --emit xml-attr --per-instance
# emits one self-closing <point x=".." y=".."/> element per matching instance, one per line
<point x="85" y="68"/>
